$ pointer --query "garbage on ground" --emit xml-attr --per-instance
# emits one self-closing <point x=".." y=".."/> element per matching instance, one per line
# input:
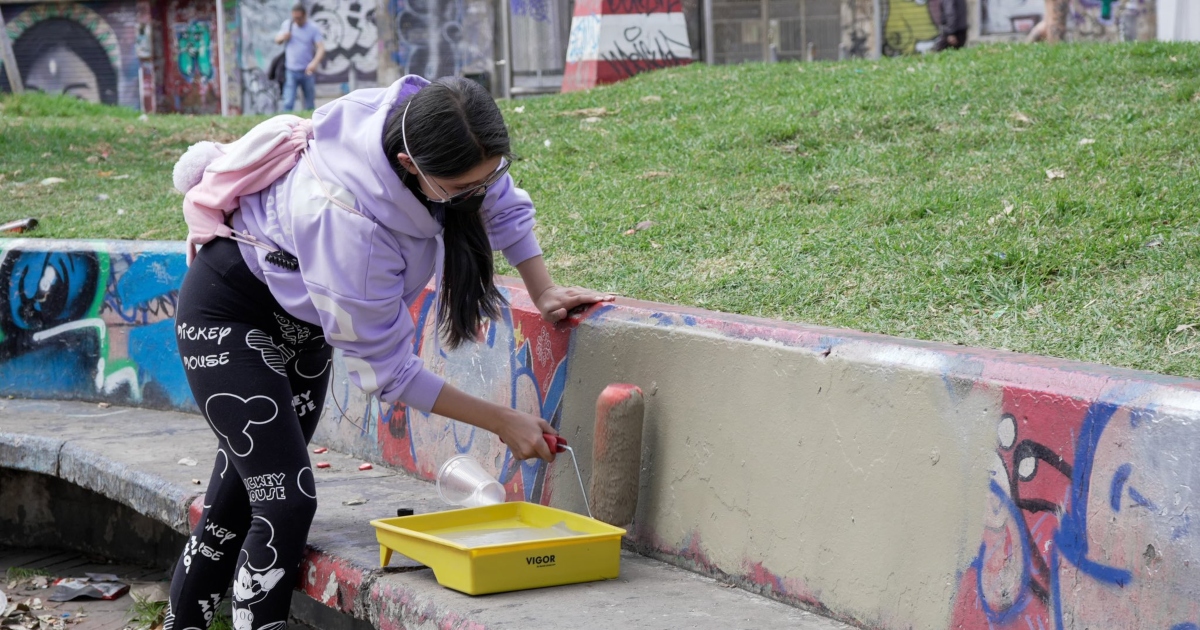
<point x="320" y="450"/>
<point x="322" y="464"/>
<point x="94" y="586"/>
<point x="365" y="466"/>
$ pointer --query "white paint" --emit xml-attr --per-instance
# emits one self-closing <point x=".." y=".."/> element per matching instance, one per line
<point x="1007" y="432"/>
<point x="654" y="36"/>
<point x="1027" y="467"/>
<point x="1001" y="12"/>
<point x="331" y="587"/>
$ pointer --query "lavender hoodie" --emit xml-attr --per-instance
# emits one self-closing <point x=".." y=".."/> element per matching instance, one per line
<point x="359" y="272"/>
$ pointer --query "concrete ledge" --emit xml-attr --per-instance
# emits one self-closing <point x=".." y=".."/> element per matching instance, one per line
<point x="132" y="458"/>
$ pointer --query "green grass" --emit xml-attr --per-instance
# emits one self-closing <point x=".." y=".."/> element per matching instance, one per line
<point x="17" y="574"/>
<point x="905" y="196"/>
<point x="146" y="614"/>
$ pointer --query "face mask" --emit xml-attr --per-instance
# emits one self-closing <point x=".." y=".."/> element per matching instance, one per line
<point x="471" y="204"/>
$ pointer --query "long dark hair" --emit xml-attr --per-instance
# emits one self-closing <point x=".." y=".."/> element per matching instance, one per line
<point x="452" y="126"/>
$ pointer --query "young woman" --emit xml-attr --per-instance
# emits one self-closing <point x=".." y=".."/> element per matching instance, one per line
<point x="396" y="186"/>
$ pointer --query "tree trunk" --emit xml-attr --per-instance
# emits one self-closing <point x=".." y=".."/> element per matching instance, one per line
<point x="1056" y="20"/>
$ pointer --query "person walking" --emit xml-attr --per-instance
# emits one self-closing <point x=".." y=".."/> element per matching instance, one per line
<point x="319" y="234"/>
<point x="952" y="25"/>
<point x="304" y="50"/>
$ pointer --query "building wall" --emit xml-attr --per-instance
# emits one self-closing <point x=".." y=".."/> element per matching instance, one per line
<point x="83" y="49"/>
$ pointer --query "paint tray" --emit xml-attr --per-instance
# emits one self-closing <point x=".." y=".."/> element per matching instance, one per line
<point x="504" y="547"/>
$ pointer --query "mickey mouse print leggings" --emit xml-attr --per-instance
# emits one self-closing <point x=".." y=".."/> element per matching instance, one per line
<point x="259" y="377"/>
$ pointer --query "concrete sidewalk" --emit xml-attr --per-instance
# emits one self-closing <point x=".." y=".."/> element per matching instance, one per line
<point x="132" y="455"/>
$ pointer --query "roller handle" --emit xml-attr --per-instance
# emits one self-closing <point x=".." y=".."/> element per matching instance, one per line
<point x="557" y="443"/>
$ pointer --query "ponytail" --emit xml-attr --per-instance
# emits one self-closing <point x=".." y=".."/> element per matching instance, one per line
<point x="453" y="125"/>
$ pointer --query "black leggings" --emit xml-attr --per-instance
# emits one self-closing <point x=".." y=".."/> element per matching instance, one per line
<point x="259" y="376"/>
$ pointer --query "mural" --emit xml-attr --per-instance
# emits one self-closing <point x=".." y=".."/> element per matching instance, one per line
<point x="519" y="361"/>
<point x="350" y="38"/>
<point x="75" y="49"/>
<point x="91" y="324"/>
<point x="907" y="27"/>
<point x="190" y="81"/>
<point x="1087" y="519"/>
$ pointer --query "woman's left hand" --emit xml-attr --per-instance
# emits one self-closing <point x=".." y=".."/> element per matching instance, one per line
<point x="556" y="302"/>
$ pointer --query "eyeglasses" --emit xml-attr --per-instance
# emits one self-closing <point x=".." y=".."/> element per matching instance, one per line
<point x="459" y="197"/>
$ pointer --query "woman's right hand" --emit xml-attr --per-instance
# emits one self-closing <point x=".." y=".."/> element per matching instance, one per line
<point x="522" y="433"/>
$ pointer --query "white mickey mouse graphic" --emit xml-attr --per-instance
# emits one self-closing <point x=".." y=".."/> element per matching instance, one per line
<point x="253" y="411"/>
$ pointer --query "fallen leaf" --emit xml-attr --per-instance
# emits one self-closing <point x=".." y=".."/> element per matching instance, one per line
<point x="123" y="177"/>
<point x="1021" y="118"/>
<point x="591" y="119"/>
<point x="102" y="197"/>
<point x="644" y="225"/>
<point x="1055" y="173"/>
<point x="91" y="159"/>
<point x="1086" y="141"/>
<point x="1183" y="327"/>
<point x="50" y="181"/>
<point x="120" y="211"/>
<point x="187" y="461"/>
<point x="1174" y="59"/>
<point x="630" y="232"/>
<point x="966" y="109"/>
<point x="105" y="173"/>
<point x="1166" y="86"/>
<point x="834" y="189"/>
<point x="589" y="112"/>
<point x="46" y="154"/>
<point x="519" y="110"/>
<point x="653" y="174"/>
<point x="789" y="148"/>
<point x="652" y="98"/>
<point x="655" y="245"/>
<point x="104" y="405"/>
<point x="354" y="502"/>
<point x="912" y="69"/>
<point x="1155" y="241"/>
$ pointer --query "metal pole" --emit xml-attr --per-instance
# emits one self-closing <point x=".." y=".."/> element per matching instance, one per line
<point x="10" y="62"/>
<point x="506" y="47"/>
<point x="222" y="79"/>
<point x="710" y="56"/>
<point x="877" y="17"/>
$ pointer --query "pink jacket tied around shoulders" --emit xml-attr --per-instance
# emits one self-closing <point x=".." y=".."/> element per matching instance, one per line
<point x="212" y="177"/>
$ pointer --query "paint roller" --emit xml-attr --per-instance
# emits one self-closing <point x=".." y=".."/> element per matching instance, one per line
<point x="616" y="454"/>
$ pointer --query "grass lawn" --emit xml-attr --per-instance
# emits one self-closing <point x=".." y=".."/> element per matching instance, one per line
<point x="905" y="196"/>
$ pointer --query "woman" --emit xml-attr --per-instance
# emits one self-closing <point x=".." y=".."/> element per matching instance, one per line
<point x="395" y="186"/>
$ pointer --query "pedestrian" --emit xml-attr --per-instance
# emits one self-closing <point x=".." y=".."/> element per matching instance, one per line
<point x="381" y="191"/>
<point x="304" y="48"/>
<point x="952" y="25"/>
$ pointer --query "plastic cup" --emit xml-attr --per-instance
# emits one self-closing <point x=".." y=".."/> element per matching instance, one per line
<point x="462" y="481"/>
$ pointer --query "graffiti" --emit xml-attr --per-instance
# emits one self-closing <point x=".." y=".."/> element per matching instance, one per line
<point x="1010" y="16"/>
<point x="68" y="50"/>
<point x="190" y="82"/>
<point x="350" y="36"/>
<point x="520" y="362"/>
<point x="537" y="10"/>
<point x="91" y="325"/>
<point x="908" y="27"/>
<point x="1085" y="20"/>
<point x="193" y="50"/>
<point x="639" y="51"/>
<point x="258" y="22"/>
<point x="430" y="34"/>
<point x="1087" y="512"/>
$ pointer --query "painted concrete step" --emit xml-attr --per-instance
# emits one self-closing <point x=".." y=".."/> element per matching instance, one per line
<point x="133" y="455"/>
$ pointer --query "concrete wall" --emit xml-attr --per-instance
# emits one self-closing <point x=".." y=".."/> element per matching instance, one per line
<point x="891" y="483"/>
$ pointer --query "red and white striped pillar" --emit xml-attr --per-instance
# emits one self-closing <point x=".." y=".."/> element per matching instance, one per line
<point x="615" y="39"/>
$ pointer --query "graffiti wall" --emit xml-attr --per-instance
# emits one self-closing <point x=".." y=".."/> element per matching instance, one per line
<point x="886" y="482"/>
<point x="908" y="27"/>
<point x="439" y="38"/>
<point x="191" y="81"/>
<point x="1087" y="521"/>
<point x="83" y="50"/>
<point x="87" y="322"/>
<point x="520" y="362"/>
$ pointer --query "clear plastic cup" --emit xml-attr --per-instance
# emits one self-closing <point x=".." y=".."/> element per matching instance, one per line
<point x="462" y="481"/>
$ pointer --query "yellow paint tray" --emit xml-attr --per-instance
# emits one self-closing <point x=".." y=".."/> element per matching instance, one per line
<point x="592" y="551"/>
